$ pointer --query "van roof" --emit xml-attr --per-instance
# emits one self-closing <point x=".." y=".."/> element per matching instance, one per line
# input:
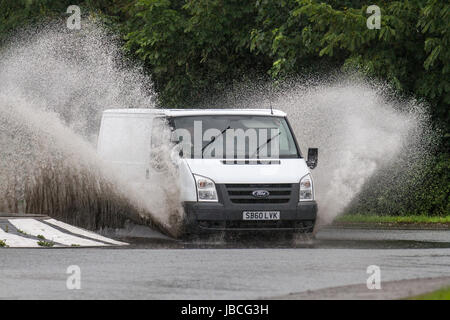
<point x="194" y="112"/>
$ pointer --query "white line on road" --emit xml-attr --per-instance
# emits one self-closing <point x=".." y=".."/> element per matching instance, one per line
<point x="83" y="232"/>
<point x="35" y="228"/>
<point x="15" y="241"/>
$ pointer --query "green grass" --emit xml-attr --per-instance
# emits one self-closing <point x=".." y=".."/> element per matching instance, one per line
<point x="360" y="218"/>
<point x="3" y="244"/>
<point x="45" y="243"/>
<point x="442" y="294"/>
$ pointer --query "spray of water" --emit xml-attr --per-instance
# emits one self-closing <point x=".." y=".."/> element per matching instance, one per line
<point x="54" y="85"/>
<point x="358" y="132"/>
<point x="359" y="128"/>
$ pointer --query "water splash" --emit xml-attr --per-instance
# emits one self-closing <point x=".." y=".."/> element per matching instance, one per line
<point x="359" y="126"/>
<point x="54" y="85"/>
<point x="358" y="132"/>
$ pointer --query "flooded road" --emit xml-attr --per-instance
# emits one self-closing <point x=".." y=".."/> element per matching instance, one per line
<point x="337" y="257"/>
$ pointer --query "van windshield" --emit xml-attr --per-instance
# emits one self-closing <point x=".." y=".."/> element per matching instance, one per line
<point x="234" y="136"/>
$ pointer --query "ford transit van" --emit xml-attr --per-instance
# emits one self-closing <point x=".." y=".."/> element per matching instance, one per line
<point x="238" y="169"/>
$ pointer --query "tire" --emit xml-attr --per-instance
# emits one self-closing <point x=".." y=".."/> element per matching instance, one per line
<point x="309" y="225"/>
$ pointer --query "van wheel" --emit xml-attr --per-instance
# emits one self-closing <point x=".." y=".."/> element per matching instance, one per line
<point x="305" y="234"/>
<point x="302" y="238"/>
<point x="309" y="226"/>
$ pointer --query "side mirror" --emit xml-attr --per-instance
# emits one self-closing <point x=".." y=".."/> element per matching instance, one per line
<point x="313" y="154"/>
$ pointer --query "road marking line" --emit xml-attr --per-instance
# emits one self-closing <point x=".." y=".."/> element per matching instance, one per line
<point x="15" y="241"/>
<point x="83" y="232"/>
<point x="35" y="228"/>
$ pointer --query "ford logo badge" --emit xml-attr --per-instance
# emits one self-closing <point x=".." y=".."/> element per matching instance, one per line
<point x="260" y="193"/>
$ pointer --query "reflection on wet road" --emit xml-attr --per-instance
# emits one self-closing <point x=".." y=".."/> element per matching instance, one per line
<point x="328" y="237"/>
<point x="334" y="258"/>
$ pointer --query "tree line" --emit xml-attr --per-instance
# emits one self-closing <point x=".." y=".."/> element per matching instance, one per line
<point x="196" y="48"/>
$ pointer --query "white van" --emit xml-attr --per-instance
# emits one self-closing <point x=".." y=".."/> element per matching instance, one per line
<point x="232" y="174"/>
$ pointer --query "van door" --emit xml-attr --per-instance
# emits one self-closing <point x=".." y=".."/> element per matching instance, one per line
<point x="124" y="143"/>
<point x="160" y="144"/>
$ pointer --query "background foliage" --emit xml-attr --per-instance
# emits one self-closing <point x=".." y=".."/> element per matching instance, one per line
<point x="196" y="48"/>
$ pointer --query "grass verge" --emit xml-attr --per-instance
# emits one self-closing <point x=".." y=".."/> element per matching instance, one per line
<point x="442" y="294"/>
<point x="394" y="222"/>
<point x="360" y="218"/>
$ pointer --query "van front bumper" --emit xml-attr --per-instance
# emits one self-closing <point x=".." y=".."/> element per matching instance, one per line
<point x="217" y="216"/>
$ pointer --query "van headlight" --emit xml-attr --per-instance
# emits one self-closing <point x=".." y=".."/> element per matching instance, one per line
<point x="306" y="188"/>
<point x="206" y="189"/>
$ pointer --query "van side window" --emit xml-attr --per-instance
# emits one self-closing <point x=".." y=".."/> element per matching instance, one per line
<point x="159" y="132"/>
<point x="160" y="138"/>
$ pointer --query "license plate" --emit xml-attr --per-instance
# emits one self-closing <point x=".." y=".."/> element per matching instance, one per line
<point x="261" y="215"/>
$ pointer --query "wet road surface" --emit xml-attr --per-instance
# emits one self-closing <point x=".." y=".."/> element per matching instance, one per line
<point x="336" y="257"/>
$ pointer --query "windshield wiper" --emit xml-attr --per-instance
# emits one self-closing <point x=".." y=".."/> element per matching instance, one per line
<point x="214" y="139"/>
<point x="265" y="143"/>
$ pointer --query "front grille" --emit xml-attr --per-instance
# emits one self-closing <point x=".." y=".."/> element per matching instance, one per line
<point x="242" y="193"/>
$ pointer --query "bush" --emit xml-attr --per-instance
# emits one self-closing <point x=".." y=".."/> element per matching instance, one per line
<point x="418" y="193"/>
